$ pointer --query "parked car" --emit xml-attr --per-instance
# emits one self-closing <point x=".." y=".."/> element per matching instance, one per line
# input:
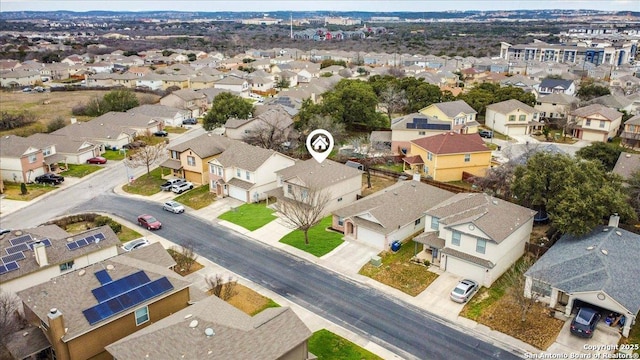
<point x="584" y="324"/>
<point x="464" y="290"/>
<point x="173" y="206"/>
<point x="149" y="222"/>
<point x="486" y="134"/>
<point x="191" y="121"/>
<point x="161" y="133"/>
<point x="134" y="145"/>
<point x="135" y="244"/>
<point x="49" y="178"/>
<point x="97" y="160"/>
<point x="169" y="183"/>
<point x="27" y="89"/>
<point x="182" y="187"/>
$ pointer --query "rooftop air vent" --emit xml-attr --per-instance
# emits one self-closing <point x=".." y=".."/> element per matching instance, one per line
<point x="590" y="247"/>
<point x="81" y="272"/>
<point x="188" y="316"/>
<point x="69" y="239"/>
<point x="628" y="156"/>
<point x="618" y="233"/>
<point x="193" y="324"/>
<point x="17" y="232"/>
<point x="605" y="229"/>
<point x="209" y="332"/>
<point x="605" y="252"/>
<point x="110" y="267"/>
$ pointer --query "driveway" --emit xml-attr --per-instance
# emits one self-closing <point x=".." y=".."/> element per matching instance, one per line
<point x="435" y="298"/>
<point x="348" y="258"/>
<point x="604" y="337"/>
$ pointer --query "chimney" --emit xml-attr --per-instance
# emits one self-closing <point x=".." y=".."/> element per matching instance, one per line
<point x="41" y="254"/>
<point x="614" y="220"/>
<point x="56" y="331"/>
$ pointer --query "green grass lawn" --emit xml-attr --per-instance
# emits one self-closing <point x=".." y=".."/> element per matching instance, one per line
<point x="113" y="155"/>
<point x="327" y="345"/>
<point x="127" y="234"/>
<point x="197" y="198"/>
<point x="392" y="167"/>
<point x="321" y="240"/>
<point x="249" y="216"/>
<point x="80" y="170"/>
<point x="175" y="130"/>
<point x="147" y="184"/>
<point x="12" y="191"/>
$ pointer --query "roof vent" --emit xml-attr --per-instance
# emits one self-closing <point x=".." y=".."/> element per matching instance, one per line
<point x="605" y="229"/>
<point x="605" y="252"/>
<point x="590" y="247"/>
<point x="53" y="310"/>
<point x="627" y="155"/>
<point x="495" y="202"/>
<point x="193" y="323"/>
<point x="188" y="316"/>
<point x="81" y="272"/>
<point x="618" y="233"/>
<point x="18" y="232"/>
<point x="110" y="267"/>
<point x="209" y="332"/>
<point x="69" y="239"/>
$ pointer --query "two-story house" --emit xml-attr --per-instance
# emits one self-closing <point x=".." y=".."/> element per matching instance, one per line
<point x="20" y="160"/>
<point x="461" y="116"/>
<point x="339" y="184"/>
<point x="595" y="123"/>
<point x="631" y="132"/>
<point x="246" y="172"/>
<point x="414" y="126"/>
<point x="233" y="83"/>
<point x="476" y="236"/>
<point x="190" y="159"/>
<point x="555" y="107"/>
<point x="512" y="117"/>
<point x="446" y="157"/>
<point x="169" y="116"/>
<point x="556" y="86"/>
<point x="187" y="99"/>
<point x="275" y="118"/>
<point x="394" y="213"/>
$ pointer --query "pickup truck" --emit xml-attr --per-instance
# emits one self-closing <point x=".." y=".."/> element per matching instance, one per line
<point x="167" y="185"/>
<point x="182" y="187"/>
<point x="49" y="178"/>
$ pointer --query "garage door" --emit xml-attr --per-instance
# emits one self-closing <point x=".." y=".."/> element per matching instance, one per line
<point x="517" y="130"/>
<point x="238" y="193"/>
<point x="82" y="158"/>
<point x="465" y="269"/>
<point x="371" y="238"/>
<point x="193" y="176"/>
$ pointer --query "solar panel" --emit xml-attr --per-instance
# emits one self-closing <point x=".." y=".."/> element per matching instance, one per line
<point x="46" y="243"/>
<point x="82" y="243"/>
<point x="21" y="239"/>
<point x="90" y="239"/>
<point x="13" y="257"/>
<point x="17" y="248"/>
<point x="72" y="245"/>
<point x="103" y="276"/>
<point x="120" y="286"/>
<point x="3" y="269"/>
<point x="99" y="236"/>
<point x="12" y="266"/>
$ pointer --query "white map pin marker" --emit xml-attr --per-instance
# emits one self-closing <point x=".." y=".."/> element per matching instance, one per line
<point x="319" y="144"/>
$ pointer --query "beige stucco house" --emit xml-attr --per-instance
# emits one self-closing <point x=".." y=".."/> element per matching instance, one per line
<point x="595" y="122"/>
<point x="512" y="117"/>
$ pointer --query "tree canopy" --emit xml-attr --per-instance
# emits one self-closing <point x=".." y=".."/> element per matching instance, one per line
<point x="606" y="153"/>
<point x="224" y="107"/>
<point x="485" y="94"/>
<point x="591" y="91"/>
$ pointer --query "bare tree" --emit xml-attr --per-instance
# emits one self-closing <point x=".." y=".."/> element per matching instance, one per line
<point x="393" y="100"/>
<point x="497" y="180"/>
<point x="146" y="156"/>
<point x="229" y="289"/>
<point x="272" y="135"/>
<point x="10" y="318"/>
<point x="515" y="280"/>
<point x="302" y="208"/>
<point x="186" y="256"/>
<point x="214" y="283"/>
<point x="225" y="290"/>
<point x="368" y="155"/>
<point x="337" y="129"/>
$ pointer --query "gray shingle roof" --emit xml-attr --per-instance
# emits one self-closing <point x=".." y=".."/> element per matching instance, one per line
<point x="612" y="101"/>
<point x="159" y="111"/>
<point x="608" y="113"/>
<point x="633" y="121"/>
<point x="453" y="108"/>
<point x="495" y="217"/>
<point x="558" y="98"/>
<point x="268" y="335"/>
<point x="245" y="156"/>
<point x="578" y="264"/>
<point x="319" y="175"/>
<point x="468" y="257"/>
<point x="627" y="163"/>
<point x="15" y="146"/>
<point x="204" y="145"/>
<point x="508" y="106"/>
<point x="64" y="144"/>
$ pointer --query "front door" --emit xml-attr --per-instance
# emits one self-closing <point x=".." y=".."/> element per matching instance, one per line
<point x="563" y="298"/>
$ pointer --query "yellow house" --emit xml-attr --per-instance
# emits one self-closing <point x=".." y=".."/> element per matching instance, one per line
<point x="459" y="113"/>
<point x="189" y="160"/>
<point x="447" y="156"/>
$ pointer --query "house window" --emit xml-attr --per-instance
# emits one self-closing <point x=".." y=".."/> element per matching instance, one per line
<point x="540" y="287"/>
<point x="455" y="238"/>
<point x="523" y="118"/>
<point x="304" y="193"/>
<point x="142" y="315"/>
<point x="191" y="161"/>
<point x="340" y="221"/>
<point x="602" y="123"/>
<point x="175" y="155"/>
<point x="289" y="189"/>
<point x="247" y="176"/>
<point x="422" y="132"/>
<point x="219" y="170"/>
<point x="66" y="266"/>
<point x="32" y="158"/>
<point x="587" y="122"/>
<point x="435" y="222"/>
<point x="467" y="157"/>
<point x="512" y="118"/>
<point x="238" y="173"/>
<point x="417" y="222"/>
<point x="481" y="246"/>
<point x="46" y="152"/>
<point x="429" y="156"/>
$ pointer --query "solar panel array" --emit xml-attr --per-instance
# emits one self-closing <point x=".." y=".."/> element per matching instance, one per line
<point x="80" y="243"/>
<point x="15" y="252"/>
<point x="423" y="123"/>
<point x="122" y="294"/>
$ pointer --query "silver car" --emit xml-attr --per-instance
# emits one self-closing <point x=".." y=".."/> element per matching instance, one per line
<point x="135" y="244"/>
<point x="464" y="290"/>
<point x="173" y="206"/>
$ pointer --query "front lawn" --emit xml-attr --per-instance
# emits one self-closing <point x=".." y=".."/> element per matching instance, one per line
<point x="147" y="184"/>
<point x="175" y="130"/>
<point x="399" y="272"/>
<point x="326" y="345"/>
<point x="377" y="183"/>
<point x="12" y="191"/>
<point x="197" y="198"/>
<point x="249" y="216"/>
<point x="249" y="301"/>
<point x="321" y="240"/>
<point x="80" y="170"/>
<point x="113" y="155"/>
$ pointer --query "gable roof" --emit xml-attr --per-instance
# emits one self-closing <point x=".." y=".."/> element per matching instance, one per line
<point x="505" y="107"/>
<point x="188" y="94"/>
<point x="395" y="206"/>
<point x="63" y="144"/>
<point x="158" y="111"/>
<point x="418" y="121"/>
<point x="612" y="101"/>
<point x="578" y="264"/>
<point x="453" y="108"/>
<point x="558" y="98"/>
<point x="94" y="130"/>
<point x="126" y="120"/>
<point x="245" y="156"/>
<point x="495" y="217"/>
<point x="271" y="334"/>
<point x="626" y="164"/>
<point x="555" y="83"/>
<point x="318" y="175"/>
<point x="204" y="145"/>
<point x="452" y="143"/>
<point x="592" y="109"/>
<point x="16" y="146"/>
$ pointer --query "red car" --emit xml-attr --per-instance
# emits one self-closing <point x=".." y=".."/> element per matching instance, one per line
<point x="97" y="160"/>
<point x="149" y="222"/>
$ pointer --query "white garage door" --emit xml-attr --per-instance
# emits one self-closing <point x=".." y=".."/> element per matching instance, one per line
<point x="238" y="193"/>
<point x="371" y="238"/>
<point x="82" y="158"/>
<point x="517" y="130"/>
<point x="465" y="269"/>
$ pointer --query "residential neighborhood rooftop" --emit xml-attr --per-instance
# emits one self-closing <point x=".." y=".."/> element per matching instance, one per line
<point x="451" y="143"/>
<point x="318" y="175"/>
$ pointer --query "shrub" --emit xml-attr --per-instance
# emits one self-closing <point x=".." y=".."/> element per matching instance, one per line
<point x="23" y="189"/>
<point x="116" y="227"/>
<point x="427" y="262"/>
<point x="102" y="220"/>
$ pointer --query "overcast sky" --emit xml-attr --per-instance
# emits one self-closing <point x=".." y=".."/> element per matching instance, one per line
<point x="310" y="5"/>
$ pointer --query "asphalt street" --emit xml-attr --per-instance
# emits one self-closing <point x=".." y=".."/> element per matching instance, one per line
<point x="387" y="321"/>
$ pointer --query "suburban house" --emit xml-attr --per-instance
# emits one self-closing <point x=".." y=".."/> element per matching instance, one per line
<point x="512" y="117"/>
<point x="595" y="122"/>
<point x="190" y="159"/>
<point x="233" y="83"/>
<point x="448" y="156"/>
<point x="461" y="116"/>
<point x="414" y="126"/>
<point x="212" y="328"/>
<point x="140" y="123"/>
<point x="19" y="78"/>
<point x="556" y="86"/>
<point x="274" y="119"/>
<point x="394" y="213"/>
<point x="187" y="99"/>
<point x="628" y="83"/>
<point x="169" y="116"/>
<point x="245" y="172"/>
<point x="20" y="160"/>
<point x="34" y="256"/>
<point x="476" y="236"/>
<point x="631" y="132"/>
<point x="626" y="164"/>
<point x="340" y="184"/>
<point x="555" y="106"/>
<point x="103" y="134"/>
<point x="83" y="311"/>
<point x="599" y="269"/>
<point x="62" y="149"/>
<point x="617" y="102"/>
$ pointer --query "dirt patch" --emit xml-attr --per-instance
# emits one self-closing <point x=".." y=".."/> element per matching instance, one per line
<point x="247" y="300"/>
<point x="377" y="183"/>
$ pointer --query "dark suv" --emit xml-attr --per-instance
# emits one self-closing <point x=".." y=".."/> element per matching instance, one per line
<point x="190" y="121"/>
<point x="49" y="178"/>
<point x="584" y="324"/>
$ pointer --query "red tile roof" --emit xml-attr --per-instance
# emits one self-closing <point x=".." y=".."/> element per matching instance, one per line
<point x="411" y="160"/>
<point x="452" y="143"/>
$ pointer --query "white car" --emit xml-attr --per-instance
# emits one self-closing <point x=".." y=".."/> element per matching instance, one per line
<point x="135" y="244"/>
<point x="173" y="206"/>
<point x="182" y="187"/>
